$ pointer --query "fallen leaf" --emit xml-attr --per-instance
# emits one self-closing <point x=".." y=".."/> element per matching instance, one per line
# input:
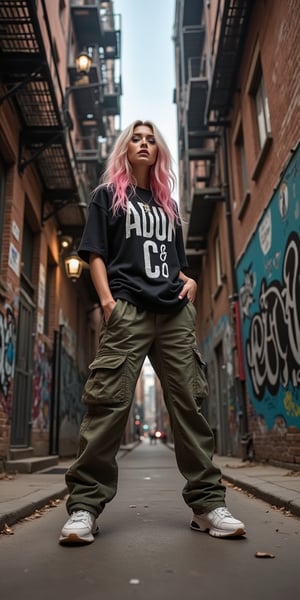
<point x="6" y="477"/>
<point x="7" y="530"/>
<point x="36" y="515"/>
<point x="292" y="474"/>
<point x="264" y="555"/>
<point x="53" y="503"/>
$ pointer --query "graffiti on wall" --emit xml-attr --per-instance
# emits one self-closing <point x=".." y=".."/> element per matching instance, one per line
<point x="269" y="283"/>
<point x="69" y="335"/>
<point x="42" y="383"/>
<point x="72" y="383"/>
<point x="71" y="408"/>
<point x="7" y="356"/>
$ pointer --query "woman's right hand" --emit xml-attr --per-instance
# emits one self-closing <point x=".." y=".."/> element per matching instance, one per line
<point x="100" y="281"/>
<point x="107" y="309"/>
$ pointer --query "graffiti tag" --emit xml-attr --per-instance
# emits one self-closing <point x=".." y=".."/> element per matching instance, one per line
<point x="7" y="352"/>
<point x="246" y="292"/>
<point x="273" y="346"/>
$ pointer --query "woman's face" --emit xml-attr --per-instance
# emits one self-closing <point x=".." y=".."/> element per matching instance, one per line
<point x="142" y="148"/>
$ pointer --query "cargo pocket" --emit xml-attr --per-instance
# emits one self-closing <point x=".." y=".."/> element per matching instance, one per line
<point x="200" y="385"/>
<point x="107" y="382"/>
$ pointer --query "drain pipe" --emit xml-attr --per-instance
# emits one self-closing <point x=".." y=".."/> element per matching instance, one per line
<point x="55" y="396"/>
<point x="228" y="212"/>
<point x="245" y="435"/>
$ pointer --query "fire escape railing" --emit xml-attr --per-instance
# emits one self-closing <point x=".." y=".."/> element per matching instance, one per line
<point x="234" y="21"/>
<point x="28" y="80"/>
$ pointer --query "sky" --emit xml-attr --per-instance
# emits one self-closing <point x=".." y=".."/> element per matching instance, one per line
<point x="148" y="65"/>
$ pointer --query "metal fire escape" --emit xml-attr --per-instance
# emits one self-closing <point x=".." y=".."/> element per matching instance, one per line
<point x="33" y="87"/>
<point x="199" y="94"/>
<point x="30" y="82"/>
<point x="234" y="23"/>
<point x="29" y="79"/>
<point x="96" y="27"/>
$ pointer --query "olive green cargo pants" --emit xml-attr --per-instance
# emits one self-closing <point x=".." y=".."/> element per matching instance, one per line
<point x="170" y="343"/>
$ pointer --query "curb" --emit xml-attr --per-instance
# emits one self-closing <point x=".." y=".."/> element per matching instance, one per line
<point x="292" y="506"/>
<point x="21" y="512"/>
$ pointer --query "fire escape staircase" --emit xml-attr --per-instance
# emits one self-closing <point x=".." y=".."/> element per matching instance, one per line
<point x="234" y="23"/>
<point x="96" y="26"/>
<point x="201" y="135"/>
<point x="27" y="81"/>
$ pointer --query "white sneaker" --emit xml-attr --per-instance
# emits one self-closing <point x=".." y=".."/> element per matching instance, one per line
<point x="79" y="529"/>
<point x="219" y="523"/>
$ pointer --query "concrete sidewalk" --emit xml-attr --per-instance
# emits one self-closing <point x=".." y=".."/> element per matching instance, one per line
<point x="22" y="494"/>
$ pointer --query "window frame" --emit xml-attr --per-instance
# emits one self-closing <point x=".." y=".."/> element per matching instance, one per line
<point x="218" y="260"/>
<point x="256" y="85"/>
<point x="242" y="180"/>
<point x="262" y="111"/>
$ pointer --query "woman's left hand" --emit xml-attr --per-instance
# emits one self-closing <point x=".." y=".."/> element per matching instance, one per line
<point x="189" y="289"/>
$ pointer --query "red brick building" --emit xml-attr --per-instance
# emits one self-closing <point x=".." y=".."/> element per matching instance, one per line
<point x="238" y="98"/>
<point x="57" y="123"/>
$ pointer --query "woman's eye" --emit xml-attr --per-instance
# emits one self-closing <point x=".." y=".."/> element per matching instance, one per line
<point x="137" y="138"/>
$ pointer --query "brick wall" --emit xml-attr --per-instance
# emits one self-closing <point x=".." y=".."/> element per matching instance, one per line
<point x="274" y="34"/>
<point x="281" y="446"/>
<point x="4" y="434"/>
<point x="272" y="39"/>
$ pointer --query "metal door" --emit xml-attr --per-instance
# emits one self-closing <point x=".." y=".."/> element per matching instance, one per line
<point x="22" y="397"/>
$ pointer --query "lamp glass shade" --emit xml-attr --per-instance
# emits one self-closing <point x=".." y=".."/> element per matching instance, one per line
<point x="73" y="266"/>
<point x="83" y="63"/>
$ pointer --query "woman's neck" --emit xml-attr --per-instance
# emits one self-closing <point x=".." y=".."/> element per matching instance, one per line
<point x="142" y="178"/>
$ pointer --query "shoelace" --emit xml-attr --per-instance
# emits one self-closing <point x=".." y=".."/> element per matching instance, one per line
<point x="222" y="511"/>
<point x="80" y="515"/>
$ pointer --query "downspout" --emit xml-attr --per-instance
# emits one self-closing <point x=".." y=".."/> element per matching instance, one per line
<point x="228" y="211"/>
<point x="55" y="396"/>
<point x="246" y="438"/>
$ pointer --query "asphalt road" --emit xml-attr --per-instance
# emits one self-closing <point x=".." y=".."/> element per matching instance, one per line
<point x="146" y="550"/>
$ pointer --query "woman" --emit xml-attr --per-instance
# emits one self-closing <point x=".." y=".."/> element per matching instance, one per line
<point x="133" y="243"/>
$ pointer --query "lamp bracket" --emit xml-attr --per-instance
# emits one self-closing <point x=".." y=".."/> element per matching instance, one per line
<point x="14" y="90"/>
<point x="22" y="163"/>
<point x="54" y="212"/>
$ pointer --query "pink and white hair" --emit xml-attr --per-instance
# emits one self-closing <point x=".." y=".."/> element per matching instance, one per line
<point x="119" y="176"/>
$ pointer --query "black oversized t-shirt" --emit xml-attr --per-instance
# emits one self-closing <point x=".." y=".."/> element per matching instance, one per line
<point x="142" y="249"/>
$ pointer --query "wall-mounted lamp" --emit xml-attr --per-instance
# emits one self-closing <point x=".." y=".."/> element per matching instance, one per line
<point x="83" y="63"/>
<point x="73" y="266"/>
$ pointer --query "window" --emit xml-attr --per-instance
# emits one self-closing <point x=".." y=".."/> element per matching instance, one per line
<point x="262" y="112"/>
<point x="27" y="251"/>
<point x="27" y="259"/>
<point x="241" y="181"/>
<point x="243" y="176"/>
<point x="218" y="268"/>
<point x="218" y="261"/>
